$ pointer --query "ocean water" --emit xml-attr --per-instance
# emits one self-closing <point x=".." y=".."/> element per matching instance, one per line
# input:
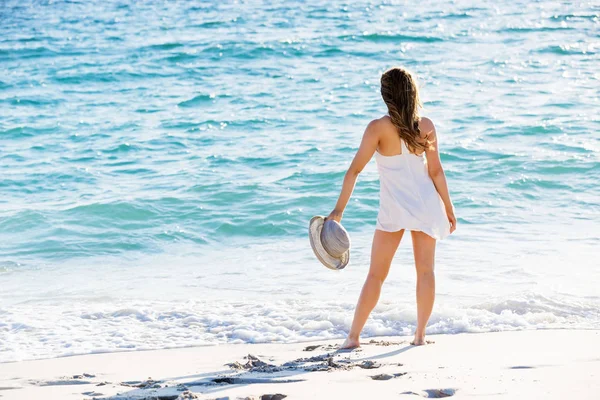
<point x="160" y="161"/>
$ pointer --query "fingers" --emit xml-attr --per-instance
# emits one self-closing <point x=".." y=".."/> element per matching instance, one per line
<point x="452" y="221"/>
<point x="330" y="217"/>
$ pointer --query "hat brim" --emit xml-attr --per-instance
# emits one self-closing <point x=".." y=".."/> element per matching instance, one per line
<point x="314" y="233"/>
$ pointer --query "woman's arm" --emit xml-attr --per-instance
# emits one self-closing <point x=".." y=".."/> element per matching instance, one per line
<point x="368" y="145"/>
<point x="436" y="172"/>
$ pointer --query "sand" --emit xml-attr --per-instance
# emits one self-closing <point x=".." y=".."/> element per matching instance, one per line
<point x="542" y="364"/>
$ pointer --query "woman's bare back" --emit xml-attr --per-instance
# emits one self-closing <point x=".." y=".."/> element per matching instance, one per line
<point x="389" y="142"/>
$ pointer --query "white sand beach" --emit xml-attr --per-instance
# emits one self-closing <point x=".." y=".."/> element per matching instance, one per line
<point x="542" y="364"/>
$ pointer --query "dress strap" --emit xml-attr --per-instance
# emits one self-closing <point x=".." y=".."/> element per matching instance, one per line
<point x="403" y="146"/>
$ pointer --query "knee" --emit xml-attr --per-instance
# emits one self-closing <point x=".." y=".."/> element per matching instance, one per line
<point x="375" y="278"/>
<point x="425" y="273"/>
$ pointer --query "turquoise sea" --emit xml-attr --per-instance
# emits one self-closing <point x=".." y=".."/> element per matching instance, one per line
<point x="160" y="161"/>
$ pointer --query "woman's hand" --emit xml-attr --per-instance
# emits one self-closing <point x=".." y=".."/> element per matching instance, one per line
<point x="451" y="219"/>
<point x="335" y="215"/>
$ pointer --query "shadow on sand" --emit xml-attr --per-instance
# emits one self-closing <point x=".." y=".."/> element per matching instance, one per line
<point x="253" y="370"/>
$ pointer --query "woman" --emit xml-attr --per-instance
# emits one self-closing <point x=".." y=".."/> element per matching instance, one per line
<point x="413" y="196"/>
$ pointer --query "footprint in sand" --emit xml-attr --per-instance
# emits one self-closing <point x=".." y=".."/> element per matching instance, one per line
<point x="277" y="396"/>
<point x="9" y="388"/>
<point x="386" y="377"/>
<point x="311" y="348"/>
<point x="66" y="380"/>
<point x="434" y="393"/>
<point x="92" y="394"/>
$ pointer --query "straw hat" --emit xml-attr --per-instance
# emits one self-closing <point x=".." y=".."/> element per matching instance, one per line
<point x="330" y="242"/>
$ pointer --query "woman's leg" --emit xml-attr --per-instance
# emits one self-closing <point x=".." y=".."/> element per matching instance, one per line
<point x="383" y="249"/>
<point x="424" y="251"/>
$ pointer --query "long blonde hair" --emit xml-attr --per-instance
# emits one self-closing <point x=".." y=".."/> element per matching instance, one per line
<point x="401" y="95"/>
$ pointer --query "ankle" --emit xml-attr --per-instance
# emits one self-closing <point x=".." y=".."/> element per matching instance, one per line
<point x="353" y="337"/>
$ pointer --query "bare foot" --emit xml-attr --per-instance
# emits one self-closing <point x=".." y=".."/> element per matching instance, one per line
<point x="420" y="341"/>
<point x="350" y="344"/>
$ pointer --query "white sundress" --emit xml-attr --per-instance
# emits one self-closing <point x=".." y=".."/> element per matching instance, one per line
<point x="407" y="196"/>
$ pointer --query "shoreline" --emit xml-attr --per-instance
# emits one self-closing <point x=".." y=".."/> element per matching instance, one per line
<point x="404" y="338"/>
<point x="549" y="363"/>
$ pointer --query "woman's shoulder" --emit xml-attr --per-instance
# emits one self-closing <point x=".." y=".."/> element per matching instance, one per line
<point x="379" y="125"/>
<point x="383" y="123"/>
<point x="426" y="127"/>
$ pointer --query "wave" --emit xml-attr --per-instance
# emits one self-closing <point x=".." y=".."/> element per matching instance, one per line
<point x="392" y="38"/>
<point x="528" y="29"/>
<point x="161" y="46"/>
<point x="568" y="49"/>
<point x="159" y="325"/>
<point x="26" y="131"/>
<point x="197" y="100"/>
<point x="32" y="101"/>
